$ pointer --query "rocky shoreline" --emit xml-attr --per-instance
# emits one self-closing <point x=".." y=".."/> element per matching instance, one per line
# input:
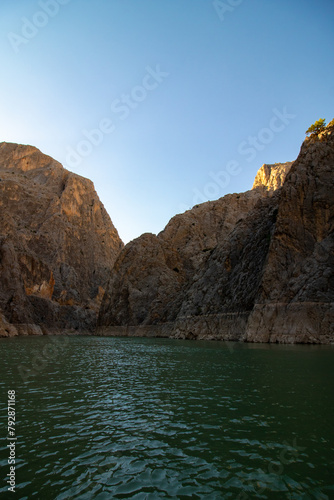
<point x="290" y="327"/>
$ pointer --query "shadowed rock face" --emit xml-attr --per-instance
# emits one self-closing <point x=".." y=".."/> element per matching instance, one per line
<point x="152" y="274"/>
<point x="197" y="266"/>
<point x="256" y="266"/>
<point x="207" y="261"/>
<point x="296" y="297"/>
<point x="57" y="243"/>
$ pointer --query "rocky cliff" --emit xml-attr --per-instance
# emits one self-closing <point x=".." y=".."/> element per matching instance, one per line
<point x="257" y="266"/>
<point x="57" y="245"/>
<point x="152" y="274"/>
<point x="295" y="301"/>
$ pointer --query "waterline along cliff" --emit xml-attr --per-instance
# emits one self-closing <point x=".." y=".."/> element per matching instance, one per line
<point x="256" y="266"/>
<point x="57" y="245"/>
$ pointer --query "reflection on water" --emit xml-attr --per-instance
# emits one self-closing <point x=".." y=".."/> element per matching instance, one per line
<point x="154" y="418"/>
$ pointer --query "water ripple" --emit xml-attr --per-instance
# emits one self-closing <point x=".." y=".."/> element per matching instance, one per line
<point x="151" y="419"/>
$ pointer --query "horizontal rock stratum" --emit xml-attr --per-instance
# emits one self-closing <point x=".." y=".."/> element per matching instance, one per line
<point x="256" y="266"/>
<point x="57" y="245"/>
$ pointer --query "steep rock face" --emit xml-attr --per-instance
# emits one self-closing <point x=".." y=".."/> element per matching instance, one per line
<point x="57" y="243"/>
<point x="256" y="267"/>
<point x="185" y="270"/>
<point x="296" y="297"/>
<point x="152" y="273"/>
<point x="280" y="284"/>
<point x="229" y="281"/>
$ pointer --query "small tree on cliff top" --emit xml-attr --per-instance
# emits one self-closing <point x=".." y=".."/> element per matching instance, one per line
<point x="331" y="124"/>
<point x="317" y="127"/>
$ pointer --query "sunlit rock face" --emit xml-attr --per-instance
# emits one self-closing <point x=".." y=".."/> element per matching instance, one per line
<point x="256" y="266"/>
<point x="57" y="243"/>
<point x="271" y="177"/>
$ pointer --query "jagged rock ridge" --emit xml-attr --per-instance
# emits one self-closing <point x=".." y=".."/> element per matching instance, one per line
<point x="57" y="245"/>
<point x="256" y="266"/>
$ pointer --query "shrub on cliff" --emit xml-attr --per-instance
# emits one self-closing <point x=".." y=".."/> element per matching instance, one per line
<point x="331" y="124"/>
<point x="317" y="127"/>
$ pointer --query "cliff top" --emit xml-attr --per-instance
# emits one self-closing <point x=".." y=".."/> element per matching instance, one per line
<point x="271" y="177"/>
<point x="24" y="158"/>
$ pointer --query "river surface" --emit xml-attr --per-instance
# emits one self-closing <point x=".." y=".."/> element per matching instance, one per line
<point x="103" y="418"/>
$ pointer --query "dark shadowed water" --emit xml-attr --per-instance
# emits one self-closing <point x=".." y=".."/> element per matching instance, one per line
<point x="107" y="418"/>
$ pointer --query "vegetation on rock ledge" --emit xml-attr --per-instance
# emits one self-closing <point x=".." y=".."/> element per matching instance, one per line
<point x="317" y="127"/>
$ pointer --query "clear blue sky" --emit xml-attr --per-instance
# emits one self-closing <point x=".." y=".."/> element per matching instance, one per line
<point x="189" y="94"/>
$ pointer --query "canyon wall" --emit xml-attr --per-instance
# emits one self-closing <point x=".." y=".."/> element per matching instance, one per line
<point x="57" y="245"/>
<point x="256" y="266"/>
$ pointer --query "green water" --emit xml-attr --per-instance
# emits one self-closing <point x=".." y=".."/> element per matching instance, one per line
<point x="138" y="418"/>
